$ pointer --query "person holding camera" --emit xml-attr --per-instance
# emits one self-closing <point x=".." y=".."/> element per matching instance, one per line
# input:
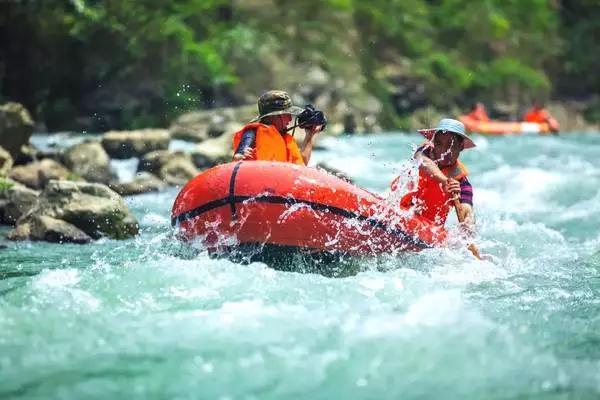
<point x="267" y="136"/>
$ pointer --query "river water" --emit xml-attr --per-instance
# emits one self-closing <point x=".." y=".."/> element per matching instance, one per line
<point x="143" y="319"/>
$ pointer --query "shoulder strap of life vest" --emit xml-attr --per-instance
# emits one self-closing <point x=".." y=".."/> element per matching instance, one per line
<point x="456" y="171"/>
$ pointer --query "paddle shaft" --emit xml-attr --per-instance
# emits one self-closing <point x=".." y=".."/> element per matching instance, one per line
<point x="461" y="219"/>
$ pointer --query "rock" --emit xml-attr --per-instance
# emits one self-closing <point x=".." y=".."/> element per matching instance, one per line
<point x="48" y="229"/>
<point x="426" y="117"/>
<point x="90" y="161"/>
<point x="173" y="167"/>
<point x="216" y="130"/>
<point x="204" y="161"/>
<point x="15" y="200"/>
<point x="213" y="151"/>
<point x="16" y="127"/>
<point x="37" y="174"/>
<point x="127" y="144"/>
<point x="28" y="153"/>
<point x="571" y="116"/>
<point x="178" y="171"/>
<point x="349" y="124"/>
<point x="6" y="162"/>
<point x="92" y="208"/>
<point x="200" y="125"/>
<point x="371" y="125"/>
<point x="154" y="161"/>
<point x="144" y="182"/>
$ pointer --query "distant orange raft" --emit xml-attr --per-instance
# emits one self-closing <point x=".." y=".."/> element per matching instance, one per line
<point x="503" y="127"/>
<point x="293" y="207"/>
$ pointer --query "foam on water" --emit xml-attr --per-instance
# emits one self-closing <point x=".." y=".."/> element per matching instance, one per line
<point x="146" y="318"/>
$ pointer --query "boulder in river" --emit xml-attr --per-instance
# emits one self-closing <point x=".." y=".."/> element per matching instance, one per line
<point x="6" y="162"/>
<point x="198" y="126"/>
<point x="38" y="173"/>
<point x="173" y="167"/>
<point x="48" y="229"/>
<point x="128" y="144"/>
<point x="16" y="127"/>
<point x="15" y="200"/>
<point x="144" y="182"/>
<point x="213" y="151"/>
<point x="154" y="161"/>
<point x="90" y="161"/>
<point x="178" y="172"/>
<point x="91" y="208"/>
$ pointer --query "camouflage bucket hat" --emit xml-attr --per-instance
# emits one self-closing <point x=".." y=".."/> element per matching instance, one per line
<point x="275" y="102"/>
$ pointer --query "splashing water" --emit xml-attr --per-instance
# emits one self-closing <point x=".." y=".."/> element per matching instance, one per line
<point x="146" y="319"/>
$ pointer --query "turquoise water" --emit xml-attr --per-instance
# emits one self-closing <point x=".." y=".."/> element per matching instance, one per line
<point x="145" y="319"/>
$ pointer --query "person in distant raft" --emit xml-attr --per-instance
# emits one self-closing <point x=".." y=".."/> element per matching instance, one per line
<point x="478" y="112"/>
<point x="443" y="181"/>
<point x="267" y="137"/>
<point x="538" y="114"/>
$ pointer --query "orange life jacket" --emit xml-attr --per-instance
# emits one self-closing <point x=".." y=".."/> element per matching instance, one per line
<point x="270" y="144"/>
<point x="541" y="116"/>
<point x="479" y="114"/>
<point x="429" y="199"/>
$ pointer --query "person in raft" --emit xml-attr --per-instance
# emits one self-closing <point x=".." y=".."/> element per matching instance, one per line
<point x="267" y="136"/>
<point x="538" y="114"/>
<point x="478" y="112"/>
<point x="443" y="178"/>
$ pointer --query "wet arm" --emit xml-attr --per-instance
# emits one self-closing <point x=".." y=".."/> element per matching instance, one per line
<point x="307" y="146"/>
<point x="430" y="168"/>
<point x="468" y="216"/>
<point x="465" y="207"/>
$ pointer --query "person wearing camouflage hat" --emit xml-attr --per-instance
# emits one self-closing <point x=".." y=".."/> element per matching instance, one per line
<point x="267" y="136"/>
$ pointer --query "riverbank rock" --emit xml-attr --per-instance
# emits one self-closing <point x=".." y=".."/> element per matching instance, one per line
<point x="16" y="127"/>
<point x="172" y="167"/>
<point x="199" y="126"/>
<point x="48" y="229"/>
<point x="15" y="200"/>
<point x="213" y="151"/>
<point x="178" y="172"/>
<point x="91" y="208"/>
<point x="571" y="116"/>
<point x="6" y="162"/>
<point x="38" y="173"/>
<point x="128" y="144"/>
<point x="144" y="182"/>
<point x="154" y="161"/>
<point x="29" y="153"/>
<point x="90" y="161"/>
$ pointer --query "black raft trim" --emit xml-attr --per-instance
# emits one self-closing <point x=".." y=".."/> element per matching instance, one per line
<point x="232" y="190"/>
<point x="291" y="201"/>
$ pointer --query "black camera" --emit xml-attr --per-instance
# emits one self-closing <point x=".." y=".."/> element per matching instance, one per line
<point x="310" y="118"/>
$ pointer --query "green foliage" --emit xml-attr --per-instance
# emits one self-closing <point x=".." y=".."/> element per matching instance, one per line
<point x="5" y="185"/>
<point x="71" y="176"/>
<point x="138" y="63"/>
<point x="592" y="112"/>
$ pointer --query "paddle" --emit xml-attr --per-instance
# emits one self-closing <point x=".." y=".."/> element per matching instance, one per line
<point x="461" y="219"/>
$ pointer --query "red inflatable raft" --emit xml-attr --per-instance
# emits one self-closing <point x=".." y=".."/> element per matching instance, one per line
<point x="281" y="204"/>
<point x="503" y="127"/>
